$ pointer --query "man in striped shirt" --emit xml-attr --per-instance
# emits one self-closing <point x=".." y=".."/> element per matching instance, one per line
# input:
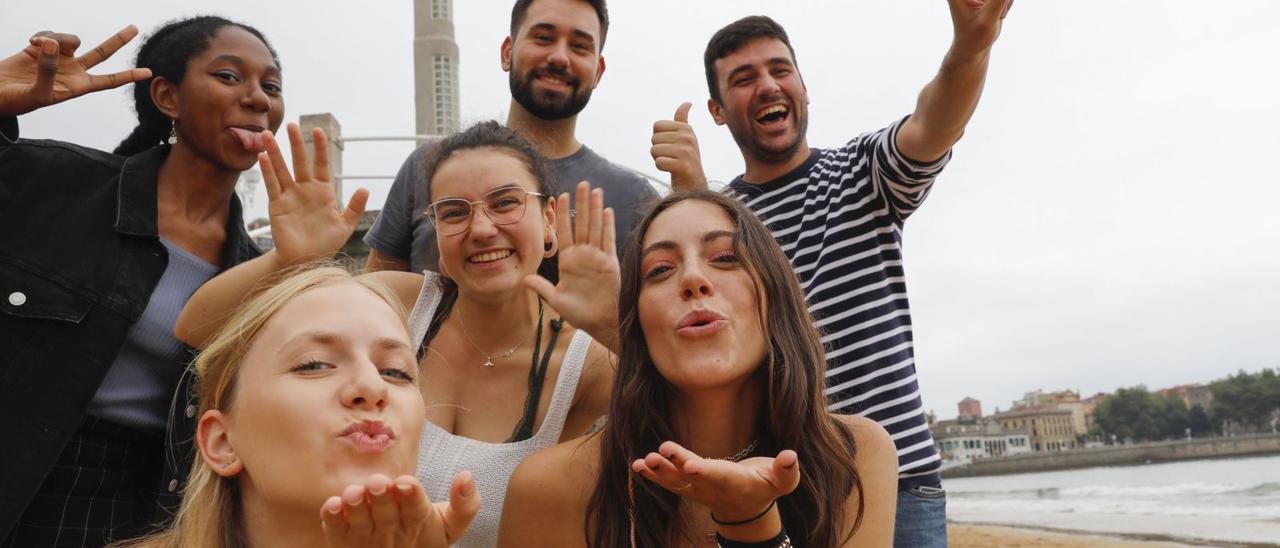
<point x="838" y="215"/>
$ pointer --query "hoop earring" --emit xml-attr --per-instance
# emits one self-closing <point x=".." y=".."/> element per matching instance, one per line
<point x="173" y="131"/>
<point x="549" y="249"/>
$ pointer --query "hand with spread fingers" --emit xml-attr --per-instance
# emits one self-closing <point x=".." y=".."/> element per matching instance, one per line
<point x="977" y="24"/>
<point x="675" y="151"/>
<point x="306" y="222"/>
<point x="48" y="72"/>
<point x="736" y="492"/>
<point x="382" y="513"/>
<point x="587" y="294"/>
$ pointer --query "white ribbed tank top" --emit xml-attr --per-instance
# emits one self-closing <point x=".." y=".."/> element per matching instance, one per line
<point x="442" y="454"/>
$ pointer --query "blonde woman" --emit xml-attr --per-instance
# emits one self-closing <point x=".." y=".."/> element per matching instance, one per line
<point x="309" y="407"/>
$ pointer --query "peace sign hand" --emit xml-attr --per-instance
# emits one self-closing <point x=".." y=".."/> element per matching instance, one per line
<point x="734" y="491"/>
<point x="47" y="71"/>
<point x="306" y="222"/>
<point x="587" y="295"/>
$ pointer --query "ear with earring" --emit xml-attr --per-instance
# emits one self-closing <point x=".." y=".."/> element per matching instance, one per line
<point x="173" y="131"/>
<point x="550" y="248"/>
<point x="227" y="464"/>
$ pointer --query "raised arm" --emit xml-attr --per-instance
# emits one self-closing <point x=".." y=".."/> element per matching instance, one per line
<point x="306" y="224"/>
<point x="48" y="71"/>
<point x="947" y="103"/>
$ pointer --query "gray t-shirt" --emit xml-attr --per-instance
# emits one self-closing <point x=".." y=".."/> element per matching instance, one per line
<point x="403" y="231"/>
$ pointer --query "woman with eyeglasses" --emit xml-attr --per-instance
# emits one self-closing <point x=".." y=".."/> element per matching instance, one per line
<point x="503" y="372"/>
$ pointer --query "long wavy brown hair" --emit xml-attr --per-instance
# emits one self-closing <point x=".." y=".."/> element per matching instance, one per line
<point x="794" y="415"/>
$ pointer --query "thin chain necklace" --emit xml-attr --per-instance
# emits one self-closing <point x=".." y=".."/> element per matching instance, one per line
<point x="488" y="359"/>
<point x="744" y="453"/>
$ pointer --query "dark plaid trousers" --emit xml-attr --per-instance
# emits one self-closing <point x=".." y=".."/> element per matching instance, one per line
<point x="102" y="489"/>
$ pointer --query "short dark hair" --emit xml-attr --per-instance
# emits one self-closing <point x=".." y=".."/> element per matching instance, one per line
<point x="732" y="37"/>
<point x="602" y="14"/>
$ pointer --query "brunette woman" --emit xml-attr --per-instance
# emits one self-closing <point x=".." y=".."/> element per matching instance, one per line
<point x="718" y="432"/>
<point x="98" y="253"/>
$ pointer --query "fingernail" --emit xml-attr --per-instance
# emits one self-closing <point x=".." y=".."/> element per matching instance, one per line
<point x="378" y="491"/>
<point x="404" y="489"/>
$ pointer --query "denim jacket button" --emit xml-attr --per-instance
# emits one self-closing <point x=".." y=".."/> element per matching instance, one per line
<point x="173" y="485"/>
<point x="17" y="298"/>
<point x="191" y="411"/>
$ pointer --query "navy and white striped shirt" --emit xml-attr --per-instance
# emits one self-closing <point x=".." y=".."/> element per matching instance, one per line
<point x="839" y="220"/>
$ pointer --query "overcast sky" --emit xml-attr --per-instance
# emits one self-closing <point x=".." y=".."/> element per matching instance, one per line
<point x="1109" y="219"/>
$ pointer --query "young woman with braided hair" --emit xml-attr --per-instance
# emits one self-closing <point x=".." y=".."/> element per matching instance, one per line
<point x="98" y="255"/>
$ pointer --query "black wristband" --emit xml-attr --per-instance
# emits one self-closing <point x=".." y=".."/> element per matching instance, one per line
<point x="745" y="521"/>
<point x="780" y="541"/>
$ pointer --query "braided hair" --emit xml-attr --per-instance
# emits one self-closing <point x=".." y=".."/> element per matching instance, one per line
<point x="166" y="52"/>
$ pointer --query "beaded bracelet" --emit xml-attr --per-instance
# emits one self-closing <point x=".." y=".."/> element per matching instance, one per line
<point x="780" y="541"/>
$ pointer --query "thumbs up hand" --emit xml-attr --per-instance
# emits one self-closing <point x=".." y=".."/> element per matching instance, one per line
<point x="675" y="151"/>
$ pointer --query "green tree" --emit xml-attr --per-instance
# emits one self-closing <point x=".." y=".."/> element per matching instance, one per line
<point x="1129" y="414"/>
<point x="1173" y="416"/>
<point x="1247" y="398"/>
<point x="1199" y="421"/>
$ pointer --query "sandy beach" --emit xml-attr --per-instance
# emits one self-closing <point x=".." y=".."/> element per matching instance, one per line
<point x="987" y="536"/>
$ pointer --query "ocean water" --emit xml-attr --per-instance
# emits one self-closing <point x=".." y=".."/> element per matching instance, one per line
<point x="1226" y="500"/>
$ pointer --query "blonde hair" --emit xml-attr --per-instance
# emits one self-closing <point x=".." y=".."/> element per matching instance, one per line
<point x="210" y="515"/>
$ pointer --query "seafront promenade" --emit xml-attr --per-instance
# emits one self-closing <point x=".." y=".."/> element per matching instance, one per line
<point x="1120" y="455"/>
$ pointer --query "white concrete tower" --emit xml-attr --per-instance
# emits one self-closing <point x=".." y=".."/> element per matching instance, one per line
<point x="435" y="62"/>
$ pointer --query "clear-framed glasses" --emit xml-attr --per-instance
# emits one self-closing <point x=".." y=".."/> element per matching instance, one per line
<point x="503" y="206"/>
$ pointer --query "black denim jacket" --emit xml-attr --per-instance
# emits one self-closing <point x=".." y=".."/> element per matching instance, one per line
<point x="80" y="255"/>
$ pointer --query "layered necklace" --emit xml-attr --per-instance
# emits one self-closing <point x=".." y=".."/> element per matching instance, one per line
<point x="488" y="358"/>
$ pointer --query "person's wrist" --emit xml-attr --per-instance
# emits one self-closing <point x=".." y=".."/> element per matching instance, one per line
<point x="749" y="525"/>
<point x="964" y="56"/>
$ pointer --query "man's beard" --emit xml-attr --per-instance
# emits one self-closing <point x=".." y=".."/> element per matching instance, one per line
<point x="546" y="107"/>
<point x="750" y="146"/>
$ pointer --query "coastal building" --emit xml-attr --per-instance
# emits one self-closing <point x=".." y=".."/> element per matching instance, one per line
<point x="1090" y="404"/>
<point x="1190" y="394"/>
<point x="1050" y="429"/>
<point x="968" y="438"/>
<point x="1066" y="399"/>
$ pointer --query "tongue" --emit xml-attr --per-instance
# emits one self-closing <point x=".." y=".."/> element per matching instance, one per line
<point x="250" y="140"/>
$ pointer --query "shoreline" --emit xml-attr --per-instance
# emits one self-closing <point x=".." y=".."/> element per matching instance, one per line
<point x="1216" y="448"/>
<point x="975" y="534"/>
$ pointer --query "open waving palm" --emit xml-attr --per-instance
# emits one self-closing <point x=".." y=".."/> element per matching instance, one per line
<point x="306" y="222"/>
<point x="587" y="295"/>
